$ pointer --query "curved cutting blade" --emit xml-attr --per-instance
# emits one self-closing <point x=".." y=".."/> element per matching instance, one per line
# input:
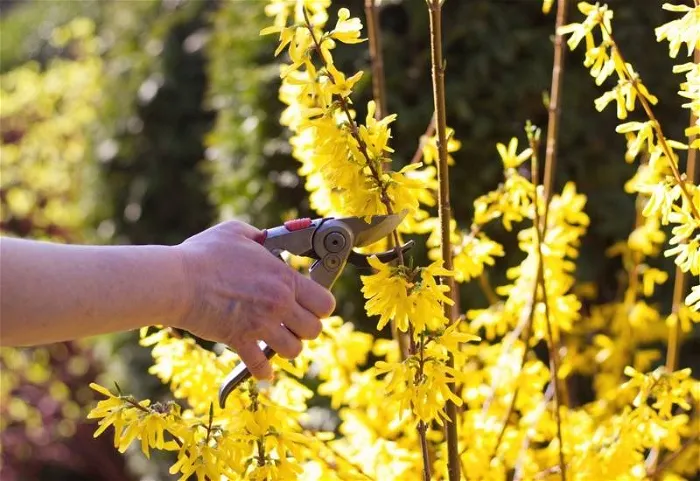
<point x="377" y="228"/>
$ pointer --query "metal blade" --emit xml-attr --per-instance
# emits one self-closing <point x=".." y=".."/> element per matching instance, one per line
<point x="360" y="260"/>
<point x="378" y="227"/>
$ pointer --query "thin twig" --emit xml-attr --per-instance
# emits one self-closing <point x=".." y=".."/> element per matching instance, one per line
<point x="519" y="465"/>
<point x="355" y="132"/>
<point x="554" y="114"/>
<point x="655" y="124"/>
<point x="422" y="426"/>
<point x="376" y="58"/>
<point x="553" y="353"/>
<point x="444" y="214"/>
<point x="330" y="448"/>
<point x="379" y="95"/>
<point x="385" y="200"/>
<point x="132" y="401"/>
<point x="429" y="132"/>
<point x="554" y="108"/>
<point x="679" y="287"/>
<point x="656" y="472"/>
<point x="680" y="283"/>
<point x="524" y="325"/>
<point x="487" y="289"/>
<point x="511" y="406"/>
<point x="260" y="442"/>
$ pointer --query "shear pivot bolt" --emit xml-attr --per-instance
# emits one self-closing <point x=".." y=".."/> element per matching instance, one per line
<point x="331" y="261"/>
<point x="335" y="242"/>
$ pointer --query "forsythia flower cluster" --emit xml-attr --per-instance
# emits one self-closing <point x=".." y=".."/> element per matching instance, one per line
<point x="517" y="414"/>
<point x="668" y="196"/>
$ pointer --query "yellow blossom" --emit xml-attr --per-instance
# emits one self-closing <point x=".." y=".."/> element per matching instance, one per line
<point x="511" y="159"/>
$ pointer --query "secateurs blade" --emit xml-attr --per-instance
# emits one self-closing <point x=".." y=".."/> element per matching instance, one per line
<point x="330" y="241"/>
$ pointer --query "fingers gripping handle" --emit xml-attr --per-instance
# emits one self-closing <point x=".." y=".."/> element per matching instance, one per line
<point x="239" y="374"/>
<point x="333" y="247"/>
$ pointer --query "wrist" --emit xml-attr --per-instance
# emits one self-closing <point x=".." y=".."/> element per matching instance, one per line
<point x="185" y="291"/>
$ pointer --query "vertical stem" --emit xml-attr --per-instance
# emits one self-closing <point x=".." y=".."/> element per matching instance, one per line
<point x="444" y="214"/>
<point x="552" y="346"/>
<point x="635" y="82"/>
<point x="376" y="58"/>
<point x="260" y="442"/>
<point x="422" y="426"/>
<point x="554" y="108"/>
<point x="679" y="288"/>
<point x="680" y="284"/>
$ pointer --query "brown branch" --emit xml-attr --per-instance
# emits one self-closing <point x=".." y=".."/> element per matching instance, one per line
<point x="551" y="345"/>
<point x="509" y="340"/>
<point x="354" y="131"/>
<point x="679" y="286"/>
<point x="429" y="132"/>
<point x="387" y="202"/>
<point x="132" y="401"/>
<point x="654" y="473"/>
<point x="422" y="426"/>
<point x="444" y="214"/>
<point x="549" y="392"/>
<point x="655" y="123"/>
<point x="511" y="406"/>
<point x="487" y="289"/>
<point x="379" y="95"/>
<point x="422" y="430"/>
<point x="376" y="58"/>
<point x="681" y="279"/>
<point x="330" y="448"/>
<point x="554" y="114"/>
<point x="554" y="108"/>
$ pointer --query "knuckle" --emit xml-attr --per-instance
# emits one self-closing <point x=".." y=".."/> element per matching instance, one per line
<point x="271" y="307"/>
<point x="331" y="303"/>
<point x="277" y="297"/>
<point x="315" y="329"/>
<point x="232" y="225"/>
<point x="248" y="327"/>
<point x="293" y="349"/>
<point x="258" y="367"/>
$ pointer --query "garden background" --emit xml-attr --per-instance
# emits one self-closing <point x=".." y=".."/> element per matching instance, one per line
<point x="177" y="128"/>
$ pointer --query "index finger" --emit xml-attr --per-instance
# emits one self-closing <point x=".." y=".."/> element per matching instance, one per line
<point x="314" y="297"/>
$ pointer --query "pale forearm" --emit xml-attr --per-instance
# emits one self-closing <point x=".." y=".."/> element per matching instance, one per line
<point x="51" y="292"/>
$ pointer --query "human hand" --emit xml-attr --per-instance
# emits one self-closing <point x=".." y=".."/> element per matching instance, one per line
<point x="239" y="293"/>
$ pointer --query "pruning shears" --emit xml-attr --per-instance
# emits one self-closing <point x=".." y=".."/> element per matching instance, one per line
<point x="330" y="241"/>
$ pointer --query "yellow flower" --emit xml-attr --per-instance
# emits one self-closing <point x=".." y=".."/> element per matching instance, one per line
<point x="474" y="253"/>
<point x="347" y="30"/>
<point x="693" y="299"/>
<point x="684" y="30"/>
<point x="387" y="294"/>
<point x="651" y="276"/>
<point x="510" y="159"/>
<point x="424" y="394"/>
<point x="430" y="149"/>
<point x="645" y="133"/>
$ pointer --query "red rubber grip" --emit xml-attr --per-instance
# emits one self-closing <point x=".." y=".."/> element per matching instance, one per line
<point x="297" y="224"/>
<point x="260" y="239"/>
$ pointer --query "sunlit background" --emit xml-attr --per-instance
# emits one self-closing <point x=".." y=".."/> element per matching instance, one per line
<point x="145" y="121"/>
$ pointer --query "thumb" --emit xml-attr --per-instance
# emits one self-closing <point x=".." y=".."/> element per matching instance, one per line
<point x="242" y="229"/>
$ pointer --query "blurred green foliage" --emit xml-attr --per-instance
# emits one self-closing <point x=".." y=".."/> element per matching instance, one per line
<point x="48" y="191"/>
<point x="187" y="132"/>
